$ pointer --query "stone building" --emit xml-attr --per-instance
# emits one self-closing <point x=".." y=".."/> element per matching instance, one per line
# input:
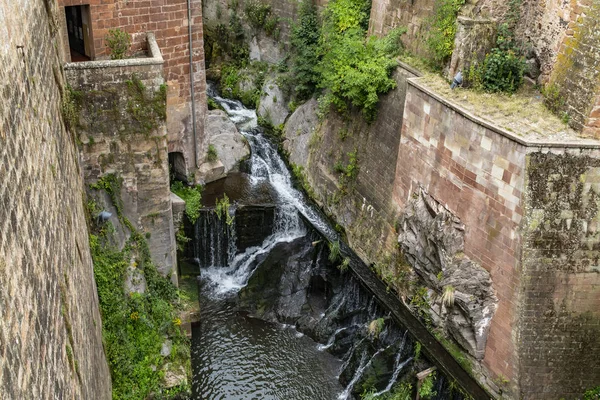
<point x="177" y="26"/>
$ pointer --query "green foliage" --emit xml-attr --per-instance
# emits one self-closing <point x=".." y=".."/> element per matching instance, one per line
<point x="353" y="69"/>
<point x="192" y="195"/>
<point x="376" y="326"/>
<point x="232" y="78"/>
<point x="70" y="107"/>
<point x="134" y="326"/>
<point x="442" y="30"/>
<point x="301" y="178"/>
<point x="417" y="350"/>
<point x="420" y="303"/>
<point x="503" y="67"/>
<point x="111" y="184"/>
<point x="349" y="172"/>
<point x="257" y="13"/>
<point x="304" y="38"/>
<point x="222" y="209"/>
<point x="212" y="154"/>
<point x="448" y="296"/>
<point x="181" y="239"/>
<point x="334" y="251"/>
<point x="553" y="99"/>
<point x="592" y="394"/>
<point x="343" y="267"/>
<point x="148" y="109"/>
<point x="213" y="105"/>
<point x="455" y="350"/>
<point x="426" y="390"/>
<point x="118" y="42"/>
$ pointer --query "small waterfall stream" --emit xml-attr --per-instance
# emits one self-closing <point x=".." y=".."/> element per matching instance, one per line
<point x="341" y="308"/>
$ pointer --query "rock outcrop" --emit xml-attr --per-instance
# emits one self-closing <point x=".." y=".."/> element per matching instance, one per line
<point x="230" y="145"/>
<point x="298" y="131"/>
<point x="272" y="103"/>
<point x="432" y="239"/>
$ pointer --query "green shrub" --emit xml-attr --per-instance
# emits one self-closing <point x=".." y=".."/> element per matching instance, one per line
<point x="118" y="42"/>
<point x="503" y="67"/>
<point x="442" y="30"/>
<point x="192" y="195"/>
<point x="353" y="69"/>
<point x="135" y="326"/>
<point x="592" y="394"/>
<point x="257" y="13"/>
<point x="334" y="251"/>
<point x="426" y="390"/>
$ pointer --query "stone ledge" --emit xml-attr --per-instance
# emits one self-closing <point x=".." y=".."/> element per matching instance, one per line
<point x="155" y="58"/>
<point x="581" y="144"/>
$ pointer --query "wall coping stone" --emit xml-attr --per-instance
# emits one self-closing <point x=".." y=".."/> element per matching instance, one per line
<point x="155" y="58"/>
<point x="580" y="144"/>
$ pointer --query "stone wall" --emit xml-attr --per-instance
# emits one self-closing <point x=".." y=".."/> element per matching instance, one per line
<point x="457" y="194"/>
<point x="364" y="208"/>
<point x="50" y="334"/>
<point x="577" y="70"/>
<point x="122" y="128"/>
<point x="168" y="20"/>
<point x="478" y="175"/>
<point x="559" y="328"/>
<point x="389" y="14"/>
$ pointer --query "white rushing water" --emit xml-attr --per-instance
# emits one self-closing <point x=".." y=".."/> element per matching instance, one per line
<point x="266" y="165"/>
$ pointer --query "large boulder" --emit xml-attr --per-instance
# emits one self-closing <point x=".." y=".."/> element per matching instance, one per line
<point x="229" y="143"/>
<point x="272" y="105"/>
<point x="432" y="240"/>
<point x="299" y="128"/>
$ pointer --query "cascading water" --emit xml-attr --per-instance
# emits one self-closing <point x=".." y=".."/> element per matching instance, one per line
<point x="307" y="292"/>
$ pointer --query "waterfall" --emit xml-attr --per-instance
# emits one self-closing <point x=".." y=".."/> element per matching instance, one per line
<point x="215" y="243"/>
<point x="359" y="372"/>
<point x="331" y="341"/>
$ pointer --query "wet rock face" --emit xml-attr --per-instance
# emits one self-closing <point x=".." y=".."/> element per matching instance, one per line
<point x="432" y="240"/>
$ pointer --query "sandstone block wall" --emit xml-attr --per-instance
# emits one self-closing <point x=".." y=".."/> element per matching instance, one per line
<point x="50" y="325"/>
<point x="478" y="175"/>
<point x="116" y="141"/>
<point x="168" y="20"/>
<point x="530" y="216"/>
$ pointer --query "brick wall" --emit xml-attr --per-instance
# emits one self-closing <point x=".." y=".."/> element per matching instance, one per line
<point x="559" y="326"/>
<point x="168" y="20"/>
<point x="115" y="141"/>
<point x="478" y="175"/>
<point x="50" y="329"/>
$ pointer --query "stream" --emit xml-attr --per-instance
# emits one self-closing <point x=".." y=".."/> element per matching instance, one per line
<point x="279" y="320"/>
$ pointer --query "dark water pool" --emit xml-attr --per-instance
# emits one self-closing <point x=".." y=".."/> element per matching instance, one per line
<point x="240" y="357"/>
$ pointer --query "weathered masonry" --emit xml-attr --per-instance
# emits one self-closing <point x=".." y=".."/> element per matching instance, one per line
<point x="50" y="326"/>
<point x="562" y="35"/>
<point x="121" y="123"/>
<point x="529" y="210"/>
<point x="178" y="32"/>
